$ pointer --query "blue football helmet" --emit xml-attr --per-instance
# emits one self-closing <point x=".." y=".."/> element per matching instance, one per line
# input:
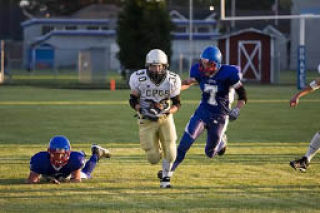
<point x="211" y="56"/>
<point x="59" y="150"/>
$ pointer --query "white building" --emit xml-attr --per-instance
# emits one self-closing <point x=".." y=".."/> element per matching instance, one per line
<point x="312" y="33"/>
<point x="56" y="42"/>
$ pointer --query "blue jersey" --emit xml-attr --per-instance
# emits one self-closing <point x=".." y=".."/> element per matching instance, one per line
<point x="40" y="163"/>
<point x="215" y="89"/>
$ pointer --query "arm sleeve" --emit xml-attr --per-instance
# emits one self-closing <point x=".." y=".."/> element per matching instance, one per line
<point x="242" y="94"/>
<point x="176" y="101"/>
<point x="133" y="101"/>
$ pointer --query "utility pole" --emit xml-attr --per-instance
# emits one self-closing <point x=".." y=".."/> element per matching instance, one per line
<point x="233" y="14"/>
<point x="190" y="32"/>
<point x="276" y="11"/>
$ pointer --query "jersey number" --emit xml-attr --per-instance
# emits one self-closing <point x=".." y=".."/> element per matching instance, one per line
<point x="212" y="90"/>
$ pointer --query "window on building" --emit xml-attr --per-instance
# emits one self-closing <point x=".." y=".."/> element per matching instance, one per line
<point x="203" y="29"/>
<point x="180" y="29"/>
<point x="46" y="29"/>
<point x="104" y="28"/>
<point x="70" y="27"/>
<point x="92" y="27"/>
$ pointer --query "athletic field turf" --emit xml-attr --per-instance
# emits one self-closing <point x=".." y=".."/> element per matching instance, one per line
<point x="253" y="176"/>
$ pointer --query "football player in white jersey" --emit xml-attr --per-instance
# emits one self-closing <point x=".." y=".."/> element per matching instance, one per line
<point x="155" y="96"/>
<point x="302" y="163"/>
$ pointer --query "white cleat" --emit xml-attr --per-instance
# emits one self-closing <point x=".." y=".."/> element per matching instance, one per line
<point x="165" y="182"/>
<point x="100" y="151"/>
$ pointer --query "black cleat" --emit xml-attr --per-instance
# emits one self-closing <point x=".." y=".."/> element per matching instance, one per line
<point x="222" y="151"/>
<point x="301" y="164"/>
<point x="159" y="174"/>
<point x="165" y="182"/>
<point x="100" y="152"/>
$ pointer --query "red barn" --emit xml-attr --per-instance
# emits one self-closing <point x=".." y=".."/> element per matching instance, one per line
<point x="253" y="51"/>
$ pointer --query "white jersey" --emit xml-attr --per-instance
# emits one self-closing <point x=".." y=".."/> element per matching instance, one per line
<point x="150" y="92"/>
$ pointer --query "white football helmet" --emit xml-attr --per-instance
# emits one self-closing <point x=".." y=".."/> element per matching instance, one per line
<point x="157" y="57"/>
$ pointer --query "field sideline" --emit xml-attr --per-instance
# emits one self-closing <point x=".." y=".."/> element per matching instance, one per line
<point x="265" y="101"/>
<point x="253" y="176"/>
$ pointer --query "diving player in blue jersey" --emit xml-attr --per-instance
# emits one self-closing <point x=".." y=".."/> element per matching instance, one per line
<point x="59" y="163"/>
<point x="213" y="113"/>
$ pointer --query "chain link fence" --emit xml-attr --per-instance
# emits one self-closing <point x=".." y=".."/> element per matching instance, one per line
<point x="92" y="68"/>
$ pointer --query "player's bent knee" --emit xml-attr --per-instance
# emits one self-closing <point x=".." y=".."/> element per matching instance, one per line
<point x="209" y="153"/>
<point x="153" y="157"/>
<point x="153" y="160"/>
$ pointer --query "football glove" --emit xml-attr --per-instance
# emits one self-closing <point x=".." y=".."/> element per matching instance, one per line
<point x="151" y="114"/>
<point x="234" y="114"/>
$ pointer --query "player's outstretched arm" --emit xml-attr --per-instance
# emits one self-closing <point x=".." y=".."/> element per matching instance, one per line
<point x="33" y="178"/>
<point x="294" y="101"/>
<point x="188" y="83"/>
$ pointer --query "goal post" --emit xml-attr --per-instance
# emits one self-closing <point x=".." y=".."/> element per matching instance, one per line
<point x="301" y="66"/>
<point x="223" y="17"/>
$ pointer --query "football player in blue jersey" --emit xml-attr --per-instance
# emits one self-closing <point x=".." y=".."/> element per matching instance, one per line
<point x="59" y="163"/>
<point x="213" y="113"/>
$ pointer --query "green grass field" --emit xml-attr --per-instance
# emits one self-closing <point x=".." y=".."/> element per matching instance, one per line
<point x="253" y="175"/>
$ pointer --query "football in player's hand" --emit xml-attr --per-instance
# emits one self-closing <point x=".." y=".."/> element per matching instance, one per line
<point x="155" y="111"/>
<point x="158" y="106"/>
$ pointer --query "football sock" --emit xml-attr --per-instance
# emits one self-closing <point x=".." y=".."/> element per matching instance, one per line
<point x="183" y="147"/>
<point x="90" y="165"/>
<point x="166" y="167"/>
<point x="221" y="145"/>
<point x="313" y="147"/>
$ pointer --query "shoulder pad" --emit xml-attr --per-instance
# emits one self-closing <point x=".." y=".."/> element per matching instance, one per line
<point x="76" y="160"/>
<point x="40" y="162"/>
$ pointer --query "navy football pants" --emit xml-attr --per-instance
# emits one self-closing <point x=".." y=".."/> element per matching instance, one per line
<point x="215" y="127"/>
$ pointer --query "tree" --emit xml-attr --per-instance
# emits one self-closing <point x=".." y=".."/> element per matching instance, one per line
<point x="142" y="25"/>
